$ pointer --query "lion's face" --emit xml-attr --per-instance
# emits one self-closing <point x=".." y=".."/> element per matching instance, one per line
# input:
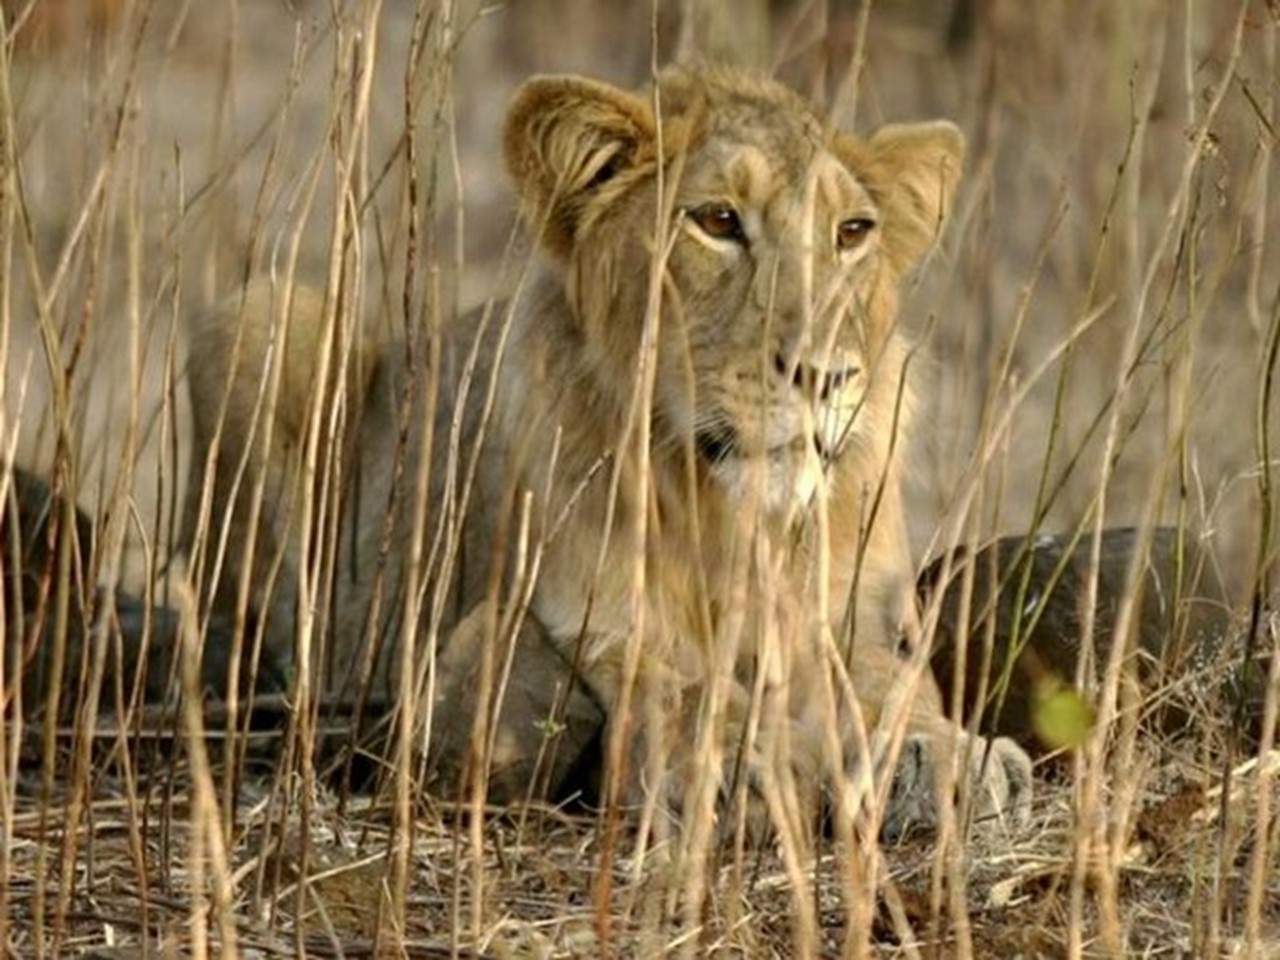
<point x="769" y="342"/>
<point x="781" y="245"/>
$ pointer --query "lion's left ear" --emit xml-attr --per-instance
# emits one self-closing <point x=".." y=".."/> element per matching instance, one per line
<point x="565" y="139"/>
<point x="912" y="170"/>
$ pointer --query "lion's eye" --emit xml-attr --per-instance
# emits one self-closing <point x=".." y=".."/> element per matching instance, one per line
<point x="718" y="221"/>
<point x="853" y="233"/>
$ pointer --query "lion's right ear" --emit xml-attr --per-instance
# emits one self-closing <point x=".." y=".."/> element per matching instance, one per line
<point x="565" y="139"/>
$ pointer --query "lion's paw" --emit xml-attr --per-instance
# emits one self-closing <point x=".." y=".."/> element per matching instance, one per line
<point x="1000" y="783"/>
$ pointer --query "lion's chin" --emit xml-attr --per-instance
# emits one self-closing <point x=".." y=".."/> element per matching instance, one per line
<point x="780" y="480"/>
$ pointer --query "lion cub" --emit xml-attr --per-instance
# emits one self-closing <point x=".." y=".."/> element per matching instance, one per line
<point x="668" y="467"/>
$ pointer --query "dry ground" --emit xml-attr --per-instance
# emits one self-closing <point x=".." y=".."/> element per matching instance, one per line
<point x="1095" y="332"/>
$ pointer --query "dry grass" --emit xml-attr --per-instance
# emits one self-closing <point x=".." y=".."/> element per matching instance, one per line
<point x="1100" y="326"/>
<point x="540" y="874"/>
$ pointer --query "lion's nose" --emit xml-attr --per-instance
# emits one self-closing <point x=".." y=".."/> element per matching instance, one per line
<point x="811" y="379"/>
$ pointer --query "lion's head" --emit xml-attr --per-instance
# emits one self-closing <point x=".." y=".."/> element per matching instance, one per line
<point x="782" y="242"/>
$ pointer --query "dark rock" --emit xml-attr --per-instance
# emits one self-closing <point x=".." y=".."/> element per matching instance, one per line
<point x="47" y="548"/>
<point x="1028" y="595"/>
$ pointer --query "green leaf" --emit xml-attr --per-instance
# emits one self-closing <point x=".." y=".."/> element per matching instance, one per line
<point x="1061" y="716"/>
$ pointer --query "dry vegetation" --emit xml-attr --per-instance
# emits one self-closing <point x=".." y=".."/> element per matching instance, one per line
<point x="1099" y="333"/>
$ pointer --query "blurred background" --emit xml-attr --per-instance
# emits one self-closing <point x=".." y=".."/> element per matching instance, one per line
<point x="1092" y="328"/>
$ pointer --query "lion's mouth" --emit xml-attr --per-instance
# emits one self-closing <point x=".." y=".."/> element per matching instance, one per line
<point x="720" y="444"/>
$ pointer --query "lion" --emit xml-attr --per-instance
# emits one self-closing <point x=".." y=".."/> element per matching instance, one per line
<point x="671" y="464"/>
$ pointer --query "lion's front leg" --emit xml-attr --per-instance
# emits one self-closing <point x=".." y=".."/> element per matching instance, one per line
<point x="512" y="703"/>
<point x="937" y="756"/>
<point x="714" y="746"/>
<point x="996" y="772"/>
<point x="900" y="705"/>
